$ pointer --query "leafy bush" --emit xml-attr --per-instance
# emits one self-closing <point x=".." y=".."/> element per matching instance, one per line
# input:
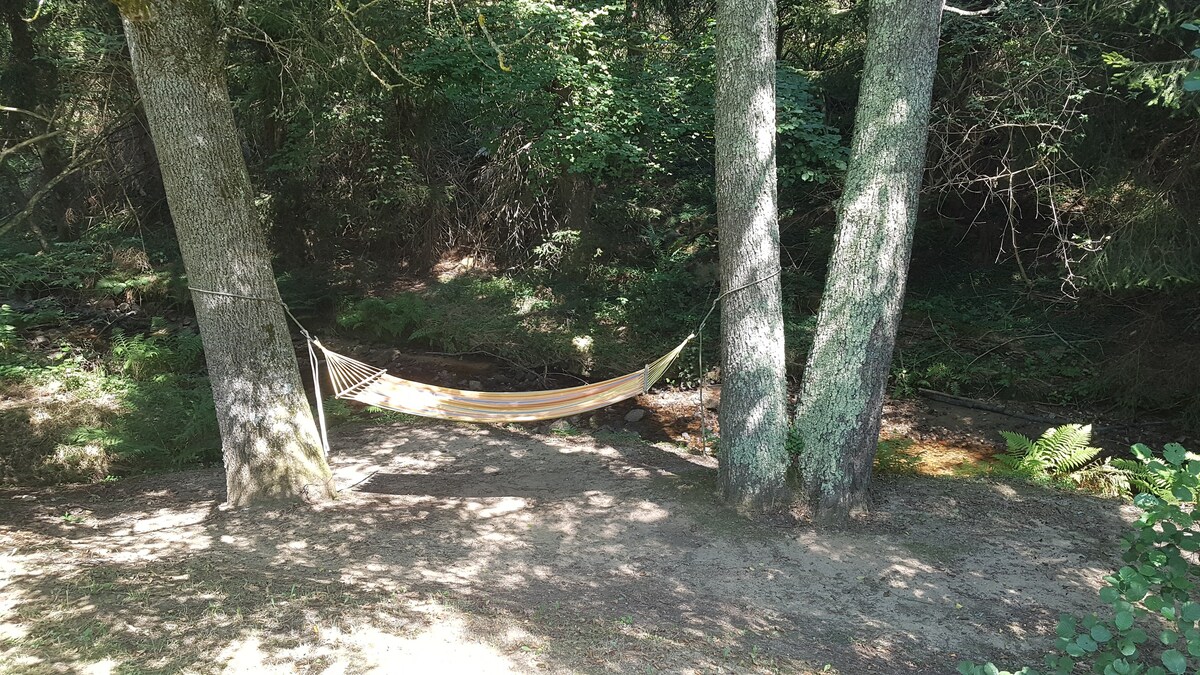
<point x="1153" y="594"/>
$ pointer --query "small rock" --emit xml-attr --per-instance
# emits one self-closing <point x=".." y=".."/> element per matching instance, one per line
<point x="475" y="384"/>
<point x="560" y="426"/>
<point x="635" y="415"/>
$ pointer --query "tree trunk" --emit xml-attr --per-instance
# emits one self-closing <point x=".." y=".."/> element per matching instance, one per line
<point x="841" y="397"/>
<point x="269" y="441"/>
<point x="752" y="413"/>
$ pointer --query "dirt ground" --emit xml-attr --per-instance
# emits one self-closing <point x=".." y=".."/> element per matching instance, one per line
<point x="477" y="549"/>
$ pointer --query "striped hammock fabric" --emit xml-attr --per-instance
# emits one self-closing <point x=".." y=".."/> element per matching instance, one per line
<point x="356" y="381"/>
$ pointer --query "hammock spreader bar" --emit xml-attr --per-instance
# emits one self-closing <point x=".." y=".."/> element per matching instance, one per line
<point x="357" y="381"/>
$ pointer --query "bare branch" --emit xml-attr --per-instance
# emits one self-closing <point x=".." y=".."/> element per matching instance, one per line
<point x="22" y="111"/>
<point x="24" y="213"/>
<point x="29" y="141"/>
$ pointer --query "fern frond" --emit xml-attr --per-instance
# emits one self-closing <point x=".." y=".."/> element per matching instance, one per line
<point x="1018" y="444"/>
<point x="1062" y="442"/>
<point x="1077" y="460"/>
<point x="1143" y="478"/>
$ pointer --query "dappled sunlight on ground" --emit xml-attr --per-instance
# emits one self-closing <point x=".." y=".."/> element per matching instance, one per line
<point x="489" y="549"/>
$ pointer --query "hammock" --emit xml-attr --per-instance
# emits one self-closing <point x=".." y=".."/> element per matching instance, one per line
<point x="357" y="381"/>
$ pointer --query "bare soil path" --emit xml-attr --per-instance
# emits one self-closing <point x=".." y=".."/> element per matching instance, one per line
<point x="493" y="550"/>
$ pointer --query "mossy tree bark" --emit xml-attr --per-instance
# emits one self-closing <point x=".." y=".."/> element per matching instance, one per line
<point x="752" y="413"/>
<point x="269" y="441"/>
<point x="841" y="397"/>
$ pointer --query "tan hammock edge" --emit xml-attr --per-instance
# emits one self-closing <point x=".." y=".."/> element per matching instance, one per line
<point x="357" y="381"/>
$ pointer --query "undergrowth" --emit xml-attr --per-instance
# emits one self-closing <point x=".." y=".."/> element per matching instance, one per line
<point x="85" y="398"/>
<point x="76" y="413"/>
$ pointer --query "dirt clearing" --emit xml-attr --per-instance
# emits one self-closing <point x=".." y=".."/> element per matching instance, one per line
<point x="493" y="550"/>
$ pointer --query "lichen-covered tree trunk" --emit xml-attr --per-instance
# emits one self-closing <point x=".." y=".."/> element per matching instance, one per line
<point x="270" y="444"/>
<point x="753" y="411"/>
<point x="841" y="397"/>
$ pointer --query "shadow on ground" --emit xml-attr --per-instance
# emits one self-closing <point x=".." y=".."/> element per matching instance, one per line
<point x="477" y="549"/>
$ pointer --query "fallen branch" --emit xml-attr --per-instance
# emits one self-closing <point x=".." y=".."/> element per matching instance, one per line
<point x="964" y="12"/>
<point x="975" y="404"/>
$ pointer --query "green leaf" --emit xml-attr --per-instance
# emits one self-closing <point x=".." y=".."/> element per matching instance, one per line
<point x="1146" y="501"/>
<point x="1086" y="642"/>
<point x="1174" y="661"/>
<point x="1188" y="25"/>
<point x="1123" y="620"/>
<point x="1154" y="603"/>
<point x="1182" y="494"/>
<point x="1107" y="594"/>
<point x="1066" y="626"/>
<point x="1168" y="637"/>
<point x="1174" y="452"/>
<point x="1190" y="611"/>
<point x="1192" y="81"/>
<point x="1100" y="633"/>
<point x="1141" y="451"/>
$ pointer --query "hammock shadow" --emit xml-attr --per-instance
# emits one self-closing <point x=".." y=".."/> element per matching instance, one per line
<point x="534" y="476"/>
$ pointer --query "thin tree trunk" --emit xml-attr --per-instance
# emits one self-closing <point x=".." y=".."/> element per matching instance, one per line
<point x="752" y="414"/>
<point x="269" y="441"/>
<point x="841" y="398"/>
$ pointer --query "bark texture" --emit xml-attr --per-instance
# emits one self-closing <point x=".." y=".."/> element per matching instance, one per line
<point x="270" y="443"/>
<point x="841" y="396"/>
<point x="752" y="413"/>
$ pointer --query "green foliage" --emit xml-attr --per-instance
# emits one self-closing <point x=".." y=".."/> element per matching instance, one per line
<point x="395" y="318"/>
<point x="984" y="337"/>
<point x="1152" y="622"/>
<point x="144" y="357"/>
<point x="809" y="150"/>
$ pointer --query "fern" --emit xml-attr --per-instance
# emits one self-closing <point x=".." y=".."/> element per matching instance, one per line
<point x="1064" y="454"/>
<point x="1057" y="453"/>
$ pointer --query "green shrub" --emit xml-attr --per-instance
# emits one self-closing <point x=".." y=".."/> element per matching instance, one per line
<point x="1150" y="626"/>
